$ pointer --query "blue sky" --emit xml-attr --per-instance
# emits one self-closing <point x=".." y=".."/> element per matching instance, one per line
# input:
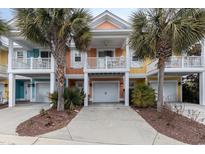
<point x="6" y="14"/>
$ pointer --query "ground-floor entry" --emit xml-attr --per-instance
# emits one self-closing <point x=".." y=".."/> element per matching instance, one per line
<point x="105" y="91"/>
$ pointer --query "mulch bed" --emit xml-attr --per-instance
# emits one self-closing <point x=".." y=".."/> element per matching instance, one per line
<point x="174" y="125"/>
<point x="2" y="106"/>
<point x="45" y="122"/>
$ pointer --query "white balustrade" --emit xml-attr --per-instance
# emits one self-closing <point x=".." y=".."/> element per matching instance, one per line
<point x="105" y="62"/>
<point x="31" y="63"/>
<point x="178" y="62"/>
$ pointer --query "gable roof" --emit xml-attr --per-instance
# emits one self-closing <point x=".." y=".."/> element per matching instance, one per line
<point x="107" y="16"/>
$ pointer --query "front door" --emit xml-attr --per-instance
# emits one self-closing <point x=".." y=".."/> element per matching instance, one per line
<point x="102" y="54"/>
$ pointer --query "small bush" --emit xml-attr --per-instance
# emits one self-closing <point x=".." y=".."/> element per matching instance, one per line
<point x="143" y="96"/>
<point x="43" y="112"/>
<point x="73" y="97"/>
<point x="53" y="99"/>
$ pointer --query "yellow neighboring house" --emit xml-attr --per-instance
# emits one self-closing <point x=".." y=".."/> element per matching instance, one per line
<point x="3" y="74"/>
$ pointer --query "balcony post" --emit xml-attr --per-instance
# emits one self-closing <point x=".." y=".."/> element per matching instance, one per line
<point x="10" y="55"/>
<point x="182" y="61"/>
<point x="127" y="54"/>
<point x="31" y="64"/>
<point x="52" y="63"/>
<point x="85" y="60"/>
<point x="106" y="62"/>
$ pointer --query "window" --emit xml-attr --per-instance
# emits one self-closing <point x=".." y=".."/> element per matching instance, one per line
<point x="105" y="53"/>
<point x="45" y="54"/>
<point x="76" y="59"/>
<point x="77" y="56"/>
<point x="19" y="54"/>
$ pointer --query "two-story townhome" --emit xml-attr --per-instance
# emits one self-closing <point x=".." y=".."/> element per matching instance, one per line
<point x="106" y="71"/>
<point x="3" y="70"/>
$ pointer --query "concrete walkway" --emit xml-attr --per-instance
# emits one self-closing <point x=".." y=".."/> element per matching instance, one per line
<point x="100" y="124"/>
<point x="110" y="124"/>
<point x="10" y="118"/>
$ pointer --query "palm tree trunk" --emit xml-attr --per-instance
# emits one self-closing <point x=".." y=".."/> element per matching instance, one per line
<point x="160" y="100"/>
<point x="60" y="79"/>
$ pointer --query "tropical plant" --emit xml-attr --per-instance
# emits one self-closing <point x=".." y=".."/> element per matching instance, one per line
<point x="73" y="97"/>
<point x="143" y="96"/>
<point x="159" y="33"/>
<point x="3" y="27"/>
<point x="56" y="28"/>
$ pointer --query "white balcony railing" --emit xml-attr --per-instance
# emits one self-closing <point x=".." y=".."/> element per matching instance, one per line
<point x="178" y="62"/>
<point x="105" y="63"/>
<point x="3" y="69"/>
<point x="31" y="63"/>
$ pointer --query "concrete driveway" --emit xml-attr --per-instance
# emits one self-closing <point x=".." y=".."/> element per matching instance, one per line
<point x="110" y="124"/>
<point x="10" y="118"/>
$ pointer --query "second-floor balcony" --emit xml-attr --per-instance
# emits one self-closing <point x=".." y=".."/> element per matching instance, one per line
<point x="31" y="64"/>
<point x="105" y="63"/>
<point x="181" y="63"/>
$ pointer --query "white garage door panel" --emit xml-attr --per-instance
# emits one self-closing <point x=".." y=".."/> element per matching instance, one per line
<point x="42" y="92"/>
<point x="105" y="92"/>
<point x="170" y="90"/>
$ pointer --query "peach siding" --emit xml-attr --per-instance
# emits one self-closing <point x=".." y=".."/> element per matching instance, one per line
<point x="107" y="25"/>
<point x="118" y="52"/>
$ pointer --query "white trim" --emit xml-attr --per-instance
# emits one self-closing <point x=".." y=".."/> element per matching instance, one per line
<point x="118" y="86"/>
<point x="137" y="76"/>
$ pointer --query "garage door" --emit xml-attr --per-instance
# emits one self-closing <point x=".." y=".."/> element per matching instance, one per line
<point x="42" y="92"/>
<point x="106" y="92"/>
<point x="170" y="90"/>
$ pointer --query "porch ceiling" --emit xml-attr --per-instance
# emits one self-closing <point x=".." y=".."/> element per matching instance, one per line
<point x="107" y="42"/>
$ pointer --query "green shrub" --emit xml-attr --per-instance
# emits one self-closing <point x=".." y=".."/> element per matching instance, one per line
<point x="73" y="97"/>
<point x="53" y="99"/>
<point x="143" y="96"/>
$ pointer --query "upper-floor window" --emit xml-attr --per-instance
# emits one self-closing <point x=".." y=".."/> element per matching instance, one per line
<point x="45" y="54"/>
<point x="77" y="56"/>
<point x="105" y="53"/>
<point x="76" y="59"/>
<point x="19" y="54"/>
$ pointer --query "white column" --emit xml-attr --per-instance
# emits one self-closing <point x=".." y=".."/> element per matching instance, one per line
<point x="86" y="89"/>
<point x="127" y="53"/>
<point x="126" y="86"/>
<point x="52" y="82"/>
<point x="31" y="91"/>
<point x="85" y="60"/>
<point x="67" y="82"/>
<point x="202" y="88"/>
<point x="10" y="55"/>
<point x="12" y="89"/>
<point x="52" y="63"/>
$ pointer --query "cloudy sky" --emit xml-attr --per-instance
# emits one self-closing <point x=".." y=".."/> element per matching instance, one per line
<point x="7" y="14"/>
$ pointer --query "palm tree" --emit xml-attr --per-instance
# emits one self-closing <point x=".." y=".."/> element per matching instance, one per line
<point x="56" y="28"/>
<point x="3" y="27"/>
<point x="159" y="33"/>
